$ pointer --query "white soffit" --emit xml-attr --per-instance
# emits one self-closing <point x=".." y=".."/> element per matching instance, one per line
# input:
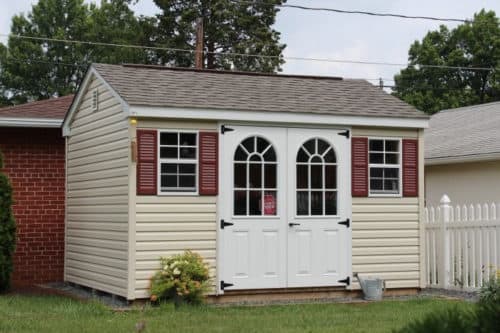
<point x="275" y="117"/>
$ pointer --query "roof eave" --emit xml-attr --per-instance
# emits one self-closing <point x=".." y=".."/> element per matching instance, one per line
<point x="486" y="157"/>
<point x="276" y="117"/>
<point x="30" y="122"/>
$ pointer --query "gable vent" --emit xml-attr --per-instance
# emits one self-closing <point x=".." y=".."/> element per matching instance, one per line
<point x="95" y="100"/>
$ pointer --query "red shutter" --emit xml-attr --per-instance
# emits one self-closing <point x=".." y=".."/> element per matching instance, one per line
<point x="209" y="163"/>
<point x="359" y="165"/>
<point x="147" y="162"/>
<point x="410" y="168"/>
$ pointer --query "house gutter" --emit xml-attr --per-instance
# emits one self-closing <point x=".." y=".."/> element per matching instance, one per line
<point x="462" y="159"/>
<point x="30" y="122"/>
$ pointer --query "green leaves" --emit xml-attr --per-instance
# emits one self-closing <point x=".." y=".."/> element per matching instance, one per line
<point x="473" y="44"/>
<point x="7" y="231"/>
<point x="229" y="26"/>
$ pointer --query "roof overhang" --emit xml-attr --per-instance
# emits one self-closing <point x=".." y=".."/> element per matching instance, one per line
<point x="238" y="115"/>
<point x="30" y="122"/>
<point x="275" y="117"/>
<point x="463" y="159"/>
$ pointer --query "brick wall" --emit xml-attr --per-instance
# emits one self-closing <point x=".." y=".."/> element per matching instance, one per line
<point x="34" y="162"/>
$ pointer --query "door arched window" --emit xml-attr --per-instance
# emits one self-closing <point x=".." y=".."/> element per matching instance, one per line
<point x="316" y="183"/>
<point x="255" y="177"/>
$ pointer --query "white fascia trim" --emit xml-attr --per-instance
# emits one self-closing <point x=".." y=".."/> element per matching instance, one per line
<point x="275" y="117"/>
<point x="31" y="122"/>
<point x="81" y="92"/>
<point x="462" y="159"/>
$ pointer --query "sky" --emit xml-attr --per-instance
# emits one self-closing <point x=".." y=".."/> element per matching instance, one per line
<point x="337" y="36"/>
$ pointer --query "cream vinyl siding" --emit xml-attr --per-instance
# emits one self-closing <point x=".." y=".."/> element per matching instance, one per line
<point x="97" y="194"/>
<point x="386" y="231"/>
<point x="167" y="225"/>
<point x="464" y="183"/>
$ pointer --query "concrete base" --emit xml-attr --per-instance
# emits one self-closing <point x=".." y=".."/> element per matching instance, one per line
<point x="299" y="295"/>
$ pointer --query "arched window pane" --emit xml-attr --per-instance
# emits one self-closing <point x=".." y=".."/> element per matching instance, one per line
<point x="316" y="179"/>
<point x="240" y="154"/>
<point x="255" y="178"/>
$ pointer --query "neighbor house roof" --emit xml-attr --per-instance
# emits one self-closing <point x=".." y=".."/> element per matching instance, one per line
<point x="44" y="113"/>
<point x="159" y="86"/>
<point x="464" y="134"/>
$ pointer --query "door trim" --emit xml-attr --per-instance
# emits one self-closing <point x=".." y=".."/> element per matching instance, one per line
<point x="219" y="212"/>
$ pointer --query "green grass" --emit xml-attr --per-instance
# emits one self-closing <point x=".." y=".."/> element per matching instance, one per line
<point x="57" y="314"/>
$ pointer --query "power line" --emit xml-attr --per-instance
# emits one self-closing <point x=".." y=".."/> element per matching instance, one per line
<point x="359" y="12"/>
<point x="233" y="54"/>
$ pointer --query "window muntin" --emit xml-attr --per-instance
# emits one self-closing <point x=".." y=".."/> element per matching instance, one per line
<point x="178" y="159"/>
<point x="316" y="179"/>
<point x="255" y="178"/>
<point x="384" y="166"/>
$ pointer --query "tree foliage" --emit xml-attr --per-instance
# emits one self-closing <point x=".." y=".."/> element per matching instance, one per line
<point x="7" y="230"/>
<point x="35" y="69"/>
<point x="229" y="27"/>
<point x="472" y="44"/>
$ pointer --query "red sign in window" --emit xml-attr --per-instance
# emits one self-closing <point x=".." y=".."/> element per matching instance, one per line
<point x="269" y="204"/>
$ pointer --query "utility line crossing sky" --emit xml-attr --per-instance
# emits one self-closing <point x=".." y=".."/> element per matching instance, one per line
<point x="320" y="34"/>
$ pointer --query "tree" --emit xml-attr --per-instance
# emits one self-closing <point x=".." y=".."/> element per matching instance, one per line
<point x="7" y="230"/>
<point x="472" y="44"/>
<point x="58" y="67"/>
<point x="229" y="27"/>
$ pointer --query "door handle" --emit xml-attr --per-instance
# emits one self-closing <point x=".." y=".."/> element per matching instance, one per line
<point x="293" y="224"/>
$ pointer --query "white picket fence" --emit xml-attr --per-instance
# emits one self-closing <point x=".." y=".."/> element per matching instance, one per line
<point x="462" y="244"/>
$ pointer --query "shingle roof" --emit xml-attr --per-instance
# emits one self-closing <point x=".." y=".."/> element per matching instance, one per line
<point x="54" y="108"/>
<point x="189" y="88"/>
<point x="464" y="132"/>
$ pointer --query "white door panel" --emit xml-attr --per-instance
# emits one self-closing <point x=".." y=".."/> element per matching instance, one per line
<point x="280" y="238"/>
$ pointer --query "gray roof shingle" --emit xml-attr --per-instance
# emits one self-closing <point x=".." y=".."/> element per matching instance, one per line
<point x="189" y="88"/>
<point x="464" y="132"/>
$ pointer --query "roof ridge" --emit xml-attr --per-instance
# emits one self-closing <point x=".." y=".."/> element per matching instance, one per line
<point x="231" y="72"/>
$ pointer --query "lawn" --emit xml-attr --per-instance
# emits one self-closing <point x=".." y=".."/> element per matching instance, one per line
<point x="57" y="314"/>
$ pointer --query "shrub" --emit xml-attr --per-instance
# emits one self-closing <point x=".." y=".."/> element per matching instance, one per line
<point x="488" y="308"/>
<point x="451" y="321"/>
<point x="181" y="278"/>
<point x="7" y="230"/>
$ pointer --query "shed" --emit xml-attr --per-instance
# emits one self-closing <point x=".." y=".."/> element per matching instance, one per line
<point x="283" y="183"/>
<point x="462" y="155"/>
<point x="33" y="146"/>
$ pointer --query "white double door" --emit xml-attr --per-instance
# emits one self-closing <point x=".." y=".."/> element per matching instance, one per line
<point x="284" y="208"/>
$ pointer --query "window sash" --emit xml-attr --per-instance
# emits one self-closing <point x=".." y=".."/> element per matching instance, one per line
<point x="162" y="189"/>
<point x="383" y="166"/>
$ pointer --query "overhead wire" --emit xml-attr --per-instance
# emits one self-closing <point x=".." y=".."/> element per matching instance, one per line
<point x="235" y="54"/>
<point x="359" y="12"/>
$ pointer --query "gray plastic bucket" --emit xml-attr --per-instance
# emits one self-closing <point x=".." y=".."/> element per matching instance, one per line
<point x="373" y="288"/>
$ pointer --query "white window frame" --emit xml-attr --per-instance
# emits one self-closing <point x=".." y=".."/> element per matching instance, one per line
<point x="262" y="189"/>
<point x="323" y="190"/>
<point x="386" y="166"/>
<point x="194" y="161"/>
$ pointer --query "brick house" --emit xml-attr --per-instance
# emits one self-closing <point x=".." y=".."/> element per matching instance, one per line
<point x="33" y="147"/>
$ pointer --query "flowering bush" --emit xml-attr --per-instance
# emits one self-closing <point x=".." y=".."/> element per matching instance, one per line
<point x="182" y="277"/>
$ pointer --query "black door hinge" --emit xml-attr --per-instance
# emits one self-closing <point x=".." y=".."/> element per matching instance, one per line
<point x="224" y="129"/>
<point x="225" y="224"/>
<point x="223" y="285"/>
<point x="346" y="134"/>
<point x="347" y="281"/>
<point x="347" y="223"/>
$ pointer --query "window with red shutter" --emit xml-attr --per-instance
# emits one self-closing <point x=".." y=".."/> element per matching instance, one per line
<point x="146" y="162"/>
<point x="410" y="168"/>
<point x="359" y="165"/>
<point x="209" y="163"/>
